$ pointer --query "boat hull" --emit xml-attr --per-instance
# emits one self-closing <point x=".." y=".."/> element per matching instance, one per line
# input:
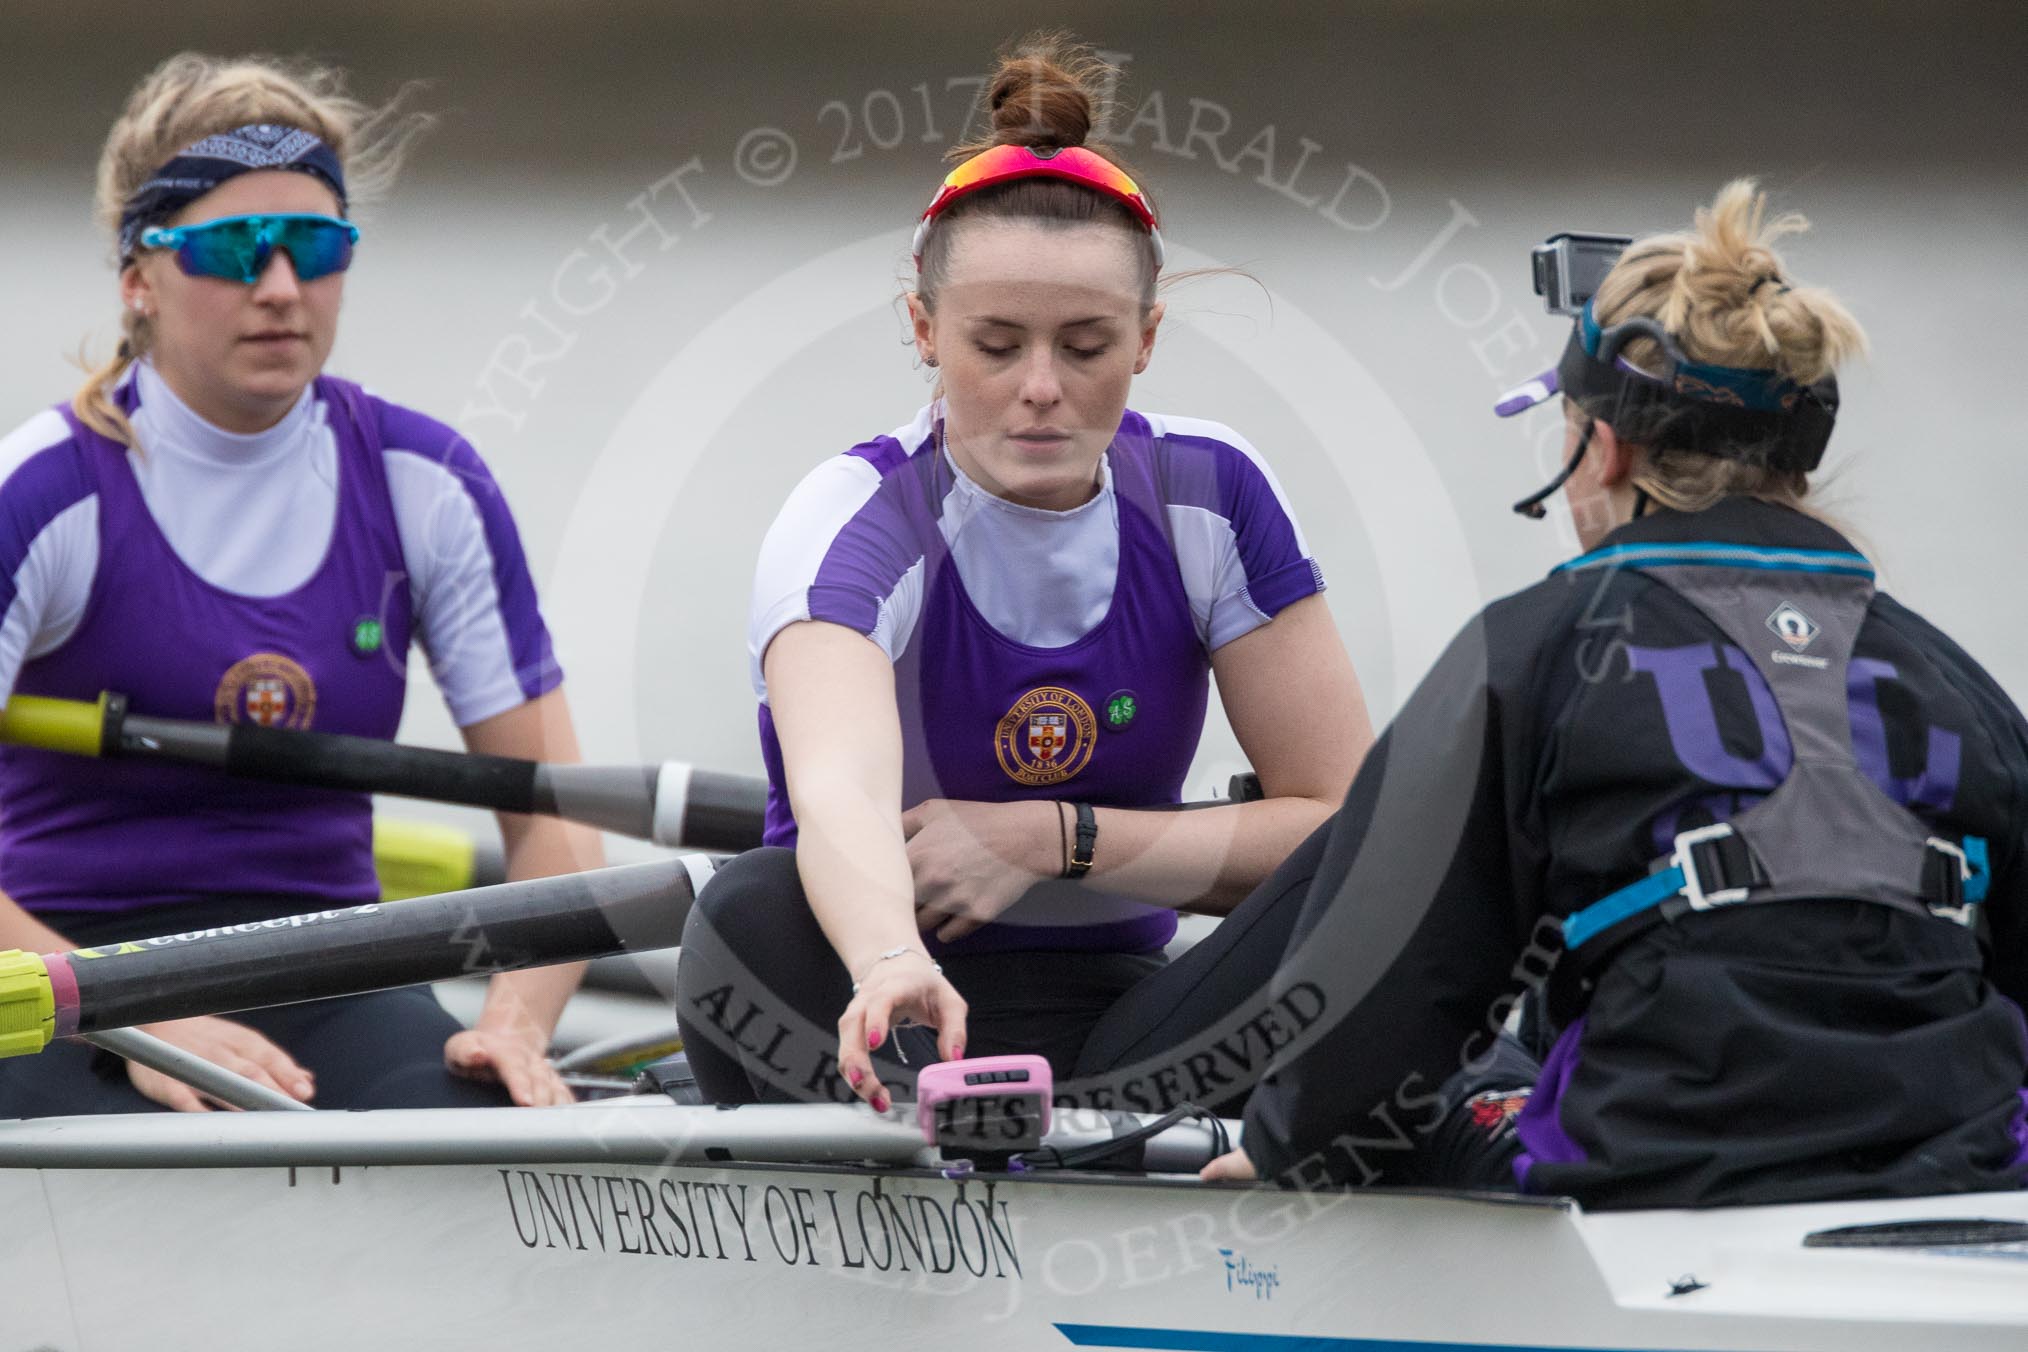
<point x="524" y="1251"/>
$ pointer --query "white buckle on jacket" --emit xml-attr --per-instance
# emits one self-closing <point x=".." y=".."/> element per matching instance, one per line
<point x="1693" y="886"/>
<point x="1960" y="914"/>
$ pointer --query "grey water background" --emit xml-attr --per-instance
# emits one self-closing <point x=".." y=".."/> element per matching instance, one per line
<point x="649" y="262"/>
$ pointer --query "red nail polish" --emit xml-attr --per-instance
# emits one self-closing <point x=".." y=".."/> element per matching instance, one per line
<point x="880" y="1104"/>
<point x="873" y="1039"/>
<point x="958" y="1052"/>
<point x="856" y="1076"/>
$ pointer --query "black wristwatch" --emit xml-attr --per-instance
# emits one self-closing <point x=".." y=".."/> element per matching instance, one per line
<point x="1087" y="842"/>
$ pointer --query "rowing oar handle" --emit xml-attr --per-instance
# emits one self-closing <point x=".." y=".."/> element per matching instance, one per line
<point x="693" y="809"/>
<point x="344" y="951"/>
<point x="671" y="804"/>
<point x="369" y="765"/>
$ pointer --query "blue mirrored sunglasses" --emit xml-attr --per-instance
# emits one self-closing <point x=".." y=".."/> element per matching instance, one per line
<point x="238" y="248"/>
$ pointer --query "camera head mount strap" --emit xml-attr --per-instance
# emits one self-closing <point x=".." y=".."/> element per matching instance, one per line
<point x="1737" y="413"/>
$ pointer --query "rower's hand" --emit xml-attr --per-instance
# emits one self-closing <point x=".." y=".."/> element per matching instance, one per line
<point x="516" y="1059"/>
<point x="905" y="987"/>
<point x="222" y="1042"/>
<point x="971" y="861"/>
<point x="1233" y="1167"/>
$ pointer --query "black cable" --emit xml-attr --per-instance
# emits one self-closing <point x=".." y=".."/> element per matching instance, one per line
<point x="1531" y="506"/>
<point x="1088" y="1156"/>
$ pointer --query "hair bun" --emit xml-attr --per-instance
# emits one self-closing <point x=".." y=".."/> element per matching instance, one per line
<point x="1047" y="92"/>
<point x="1726" y="294"/>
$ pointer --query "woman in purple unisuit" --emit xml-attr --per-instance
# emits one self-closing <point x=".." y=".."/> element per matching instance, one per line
<point x="1003" y="617"/>
<point x="216" y="529"/>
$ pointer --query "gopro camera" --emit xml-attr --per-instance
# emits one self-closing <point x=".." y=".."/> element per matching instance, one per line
<point x="1569" y="267"/>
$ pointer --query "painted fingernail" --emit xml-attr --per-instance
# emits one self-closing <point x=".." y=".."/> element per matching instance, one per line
<point x="880" y="1103"/>
<point x="855" y="1076"/>
<point x="958" y="1052"/>
<point x="873" y="1039"/>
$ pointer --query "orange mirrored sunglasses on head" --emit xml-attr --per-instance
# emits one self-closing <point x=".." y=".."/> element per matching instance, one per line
<point x="1075" y="164"/>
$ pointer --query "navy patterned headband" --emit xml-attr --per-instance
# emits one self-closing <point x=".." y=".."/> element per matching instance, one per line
<point x="197" y="169"/>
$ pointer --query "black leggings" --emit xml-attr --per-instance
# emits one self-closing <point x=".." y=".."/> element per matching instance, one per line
<point x="384" y="1050"/>
<point x="760" y="991"/>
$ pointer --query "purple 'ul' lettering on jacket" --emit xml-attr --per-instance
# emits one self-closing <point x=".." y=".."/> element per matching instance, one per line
<point x="1693" y="727"/>
<point x="1936" y="786"/>
<point x="1693" y="722"/>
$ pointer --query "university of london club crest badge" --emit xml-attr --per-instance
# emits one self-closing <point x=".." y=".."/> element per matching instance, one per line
<point x="1047" y="735"/>
<point x="1046" y="738"/>
<point x="267" y="689"/>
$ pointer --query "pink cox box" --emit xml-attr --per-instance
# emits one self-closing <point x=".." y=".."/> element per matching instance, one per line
<point x="992" y="1103"/>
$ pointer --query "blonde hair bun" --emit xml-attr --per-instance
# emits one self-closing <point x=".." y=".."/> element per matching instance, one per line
<point x="1725" y="293"/>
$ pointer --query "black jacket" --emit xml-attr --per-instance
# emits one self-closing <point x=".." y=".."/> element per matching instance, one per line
<point x="1757" y="1053"/>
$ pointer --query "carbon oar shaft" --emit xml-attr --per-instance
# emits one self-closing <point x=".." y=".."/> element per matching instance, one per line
<point x="671" y="804"/>
<point x="345" y="951"/>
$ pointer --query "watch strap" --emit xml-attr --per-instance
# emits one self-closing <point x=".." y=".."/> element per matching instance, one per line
<point x="1086" y="845"/>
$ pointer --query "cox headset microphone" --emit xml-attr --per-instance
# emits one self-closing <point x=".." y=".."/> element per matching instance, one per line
<point x="1735" y="412"/>
<point x="1569" y="266"/>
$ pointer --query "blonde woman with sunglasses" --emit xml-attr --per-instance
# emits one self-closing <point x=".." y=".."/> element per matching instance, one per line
<point x="216" y="528"/>
<point x="983" y="646"/>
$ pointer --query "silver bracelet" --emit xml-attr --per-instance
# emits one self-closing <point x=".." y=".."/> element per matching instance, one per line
<point x="935" y="966"/>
